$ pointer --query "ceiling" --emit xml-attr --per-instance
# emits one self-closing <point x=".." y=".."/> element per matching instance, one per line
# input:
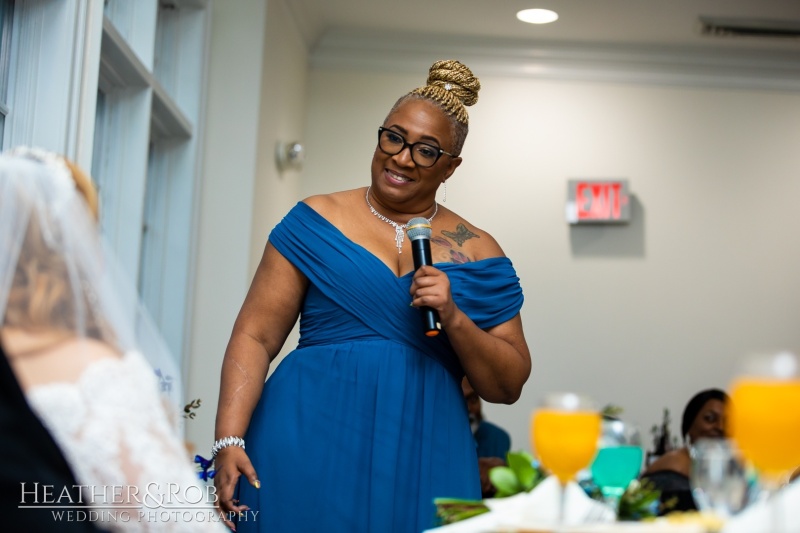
<point x="628" y="23"/>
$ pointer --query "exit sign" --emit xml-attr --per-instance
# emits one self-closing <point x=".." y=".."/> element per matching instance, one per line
<point x="598" y="201"/>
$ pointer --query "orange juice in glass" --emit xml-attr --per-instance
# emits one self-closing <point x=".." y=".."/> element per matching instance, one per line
<point x="765" y="422"/>
<point x="565" y="430"/>
<point x="565" y="441"/>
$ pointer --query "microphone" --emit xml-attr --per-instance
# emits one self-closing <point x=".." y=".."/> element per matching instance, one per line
<point x="419" y="233"/>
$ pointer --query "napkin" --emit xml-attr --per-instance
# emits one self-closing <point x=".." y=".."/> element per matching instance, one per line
<point x="537" y="509"/>
<point x="542" y="504"/>
<point x="757" y="518"/>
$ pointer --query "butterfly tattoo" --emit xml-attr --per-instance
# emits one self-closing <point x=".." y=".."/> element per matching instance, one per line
<point x="460" y="235"/>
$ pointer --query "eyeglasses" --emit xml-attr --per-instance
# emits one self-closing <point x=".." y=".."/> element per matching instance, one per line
<point x="423" y="154"/>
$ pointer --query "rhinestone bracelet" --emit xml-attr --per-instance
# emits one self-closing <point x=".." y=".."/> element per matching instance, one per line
<point x="224" y="443"/>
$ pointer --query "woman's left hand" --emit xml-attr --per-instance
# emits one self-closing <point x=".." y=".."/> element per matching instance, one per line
<point x="430" y="287"/>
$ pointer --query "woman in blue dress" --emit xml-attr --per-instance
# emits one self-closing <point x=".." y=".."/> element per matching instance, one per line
<point x="364" y="423"/>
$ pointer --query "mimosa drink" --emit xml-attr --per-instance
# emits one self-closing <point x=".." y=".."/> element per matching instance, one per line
<point x="765" y="422"/>
<point x="565" y="441"/>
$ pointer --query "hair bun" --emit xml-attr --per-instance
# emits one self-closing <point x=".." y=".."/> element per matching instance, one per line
<point x="462" y="83"/>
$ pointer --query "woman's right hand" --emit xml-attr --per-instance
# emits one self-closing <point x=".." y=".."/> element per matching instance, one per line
<point x="230" y="463"/>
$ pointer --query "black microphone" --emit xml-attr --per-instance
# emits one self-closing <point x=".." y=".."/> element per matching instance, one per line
<point x="419" y="233"/>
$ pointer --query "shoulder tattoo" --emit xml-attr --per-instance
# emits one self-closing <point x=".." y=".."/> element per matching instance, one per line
<point x="461" y="234"/>
<point x="458" y="257"/>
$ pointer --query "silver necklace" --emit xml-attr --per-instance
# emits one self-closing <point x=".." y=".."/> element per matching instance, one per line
<point x="399" y="229"/>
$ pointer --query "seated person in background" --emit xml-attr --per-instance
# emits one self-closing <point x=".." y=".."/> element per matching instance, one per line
<point x="492" y="442"/>
<point x="80" y="347"/>
<point x="703" y="418"/>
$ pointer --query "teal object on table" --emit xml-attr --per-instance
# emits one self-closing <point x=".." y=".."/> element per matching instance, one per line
<point x="615" y="467"/>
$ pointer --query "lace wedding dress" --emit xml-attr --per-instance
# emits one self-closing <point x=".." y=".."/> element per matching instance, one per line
<point x="116" y="435"/>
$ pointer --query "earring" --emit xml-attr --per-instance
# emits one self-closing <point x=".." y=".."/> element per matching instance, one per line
<point x="444" y="198"/>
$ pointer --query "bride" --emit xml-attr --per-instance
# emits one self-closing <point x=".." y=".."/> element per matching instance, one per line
<point x="90" y="362"/>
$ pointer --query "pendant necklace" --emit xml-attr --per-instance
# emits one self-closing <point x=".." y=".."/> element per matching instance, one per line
<point x="399" y="229"/>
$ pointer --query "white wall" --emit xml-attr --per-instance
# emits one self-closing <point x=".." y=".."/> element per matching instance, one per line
<point x="256" y="95"/>
<point x="641" y="316"/>
<point x="282" y="116"/>
<point x="281" y="119"/>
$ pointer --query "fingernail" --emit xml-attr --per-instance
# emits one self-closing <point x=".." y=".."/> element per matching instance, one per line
<point x="241" y="515"/>
<point x="257" y="484"/>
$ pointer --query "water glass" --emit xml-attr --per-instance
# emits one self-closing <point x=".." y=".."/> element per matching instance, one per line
<point x="718" y="478"/>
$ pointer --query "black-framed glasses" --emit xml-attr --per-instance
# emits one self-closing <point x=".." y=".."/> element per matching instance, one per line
<point x="423" y="154"/>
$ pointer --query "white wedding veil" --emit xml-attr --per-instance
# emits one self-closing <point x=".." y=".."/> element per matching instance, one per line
<point x="58" y="276"/>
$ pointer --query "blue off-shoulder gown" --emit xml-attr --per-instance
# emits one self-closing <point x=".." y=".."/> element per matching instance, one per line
<point x="364" y="423"/>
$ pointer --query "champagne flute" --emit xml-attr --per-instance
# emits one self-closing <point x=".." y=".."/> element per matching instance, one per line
<point x="565" y="429"/>
<point x="765" y="420"/>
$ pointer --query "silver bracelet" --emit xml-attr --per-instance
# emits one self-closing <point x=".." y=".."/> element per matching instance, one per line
<point x="224" y="443"/>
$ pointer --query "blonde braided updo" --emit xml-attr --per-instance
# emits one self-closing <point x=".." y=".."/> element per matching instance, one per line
<point x="452" y="87"/>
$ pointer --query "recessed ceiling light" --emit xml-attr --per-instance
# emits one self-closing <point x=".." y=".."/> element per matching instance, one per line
<point x="537" y="16"/>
